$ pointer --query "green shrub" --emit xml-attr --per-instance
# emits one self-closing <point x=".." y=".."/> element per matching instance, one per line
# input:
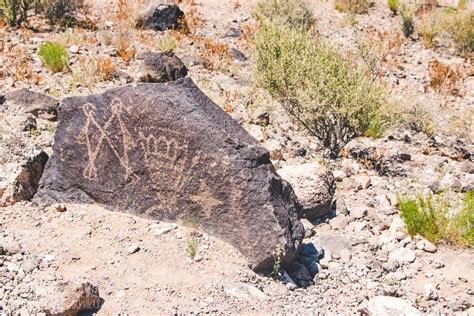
<point x="323" y="91"/>
<point x="393" y="6"/>
<point x="465" y="219"/>
<point x="53" y="55"/>
<point x="354" y="6"/>
<point x="448" y="23"/>
<point x="296" y="13"/>
<point x="429" y="218"/>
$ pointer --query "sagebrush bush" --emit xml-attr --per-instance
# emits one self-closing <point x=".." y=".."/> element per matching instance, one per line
<point x="323" y="91"/>
<point x="354" y="6"/>
<point x="429" y="217"/>
<point x="297" y="13"/>
<point x="62" y="11"/>
<point x="15" y="11"/>
<point x="448" y="23"/>
<point x="53" y="55"/>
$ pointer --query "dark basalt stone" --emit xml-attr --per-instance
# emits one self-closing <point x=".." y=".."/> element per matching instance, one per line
<point x="161" y="17"/>
<point x="161" y="67"/>
<point x="168" y="152"/>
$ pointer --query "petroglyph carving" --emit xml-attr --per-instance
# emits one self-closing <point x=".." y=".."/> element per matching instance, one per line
<point x="166" y="151"/>
<point x="92" y="127"/>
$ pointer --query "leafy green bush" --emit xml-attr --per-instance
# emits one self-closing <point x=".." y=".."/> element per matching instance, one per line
<point x="429" y="218"/>
<point x="323" y="91"/>
<point x="296" y="13"/>
<point x="393" y="6"/>
<point x="354" y="6"/>
<point x="53" y="55"/>
<point x="448" y="23"/>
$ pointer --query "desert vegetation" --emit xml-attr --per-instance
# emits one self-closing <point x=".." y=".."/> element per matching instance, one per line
<point x="430" y="217"/>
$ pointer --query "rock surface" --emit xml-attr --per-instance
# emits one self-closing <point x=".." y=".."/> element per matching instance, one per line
<point x="166" y="151"/>
<point x="161" y="67"/>
<point x="161" y="17"/>
<point x="314" y="186"/>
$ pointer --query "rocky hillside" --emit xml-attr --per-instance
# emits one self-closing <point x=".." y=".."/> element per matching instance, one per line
<point x="154" y="163"/>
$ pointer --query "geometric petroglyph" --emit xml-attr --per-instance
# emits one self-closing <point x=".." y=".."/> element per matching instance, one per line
<point x="168" y="162"/>
<point x="90" y="130"/>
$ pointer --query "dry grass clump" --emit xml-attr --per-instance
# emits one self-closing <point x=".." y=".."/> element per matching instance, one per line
<point x="214" y="55"/>
<point x="323" y="91"/>
<point x="105" y="67"/>
<point x="190" y="21"/>
<point x="448" y="24"/>
<point x="376" y="49"/>
<point x="445" y="78"/>
<point x="297" y="13"/>
<point x="354" y="6"/>
<point x="91" y="70"/>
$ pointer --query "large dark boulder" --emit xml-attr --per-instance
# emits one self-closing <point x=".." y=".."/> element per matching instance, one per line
<point x="168" y="152"/>
<point x="160" y="17"/>
<point x="33" y="102"/>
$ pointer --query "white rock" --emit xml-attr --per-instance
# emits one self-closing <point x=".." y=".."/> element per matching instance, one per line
<point x="339" y="175"/>
<point x="358" y="212"/>
<point x="425" y="245"/>
<point x="245" y="291"/>
<point x="402" y="255"/>
<point x="390" y="306"/>
<point x="74" y="49"/>
<point x="132" y="249"/>
<point x="363" y="182"/>
<point x="314" y="186"/>
<point x="430" y="292"/>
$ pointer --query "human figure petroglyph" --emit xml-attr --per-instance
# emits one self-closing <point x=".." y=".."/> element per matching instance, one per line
<point x="89" y="109"/>
<point x="154" y="148"/>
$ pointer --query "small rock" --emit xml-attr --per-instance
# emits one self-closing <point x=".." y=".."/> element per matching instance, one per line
<point x="60" y="208"/>
<point x="237" y="54"/>
<point x="245" y="291"/>
<point x="29" y="265"/>
<point x="391" y="265"/>
<point x="358" y="212"/>
<point x="233" y="32"/>
<point x="430" y="292"/>
<point x="391" y="306"/>
<point x="132" y="249"/>
<point x="363" y="182"/>
<point x="339" y="175"/>
<point x="74" y="49"/>
<point x="314" y="186"/>
<point x="402" y="255"/>
<point x="425" y="245"/>
<point x="341" y="207"/>
<point x="308" y="228"/>
<point x="161" y="17"/>
<point x="72" y="299"/>
<point x="161" y="67"/>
